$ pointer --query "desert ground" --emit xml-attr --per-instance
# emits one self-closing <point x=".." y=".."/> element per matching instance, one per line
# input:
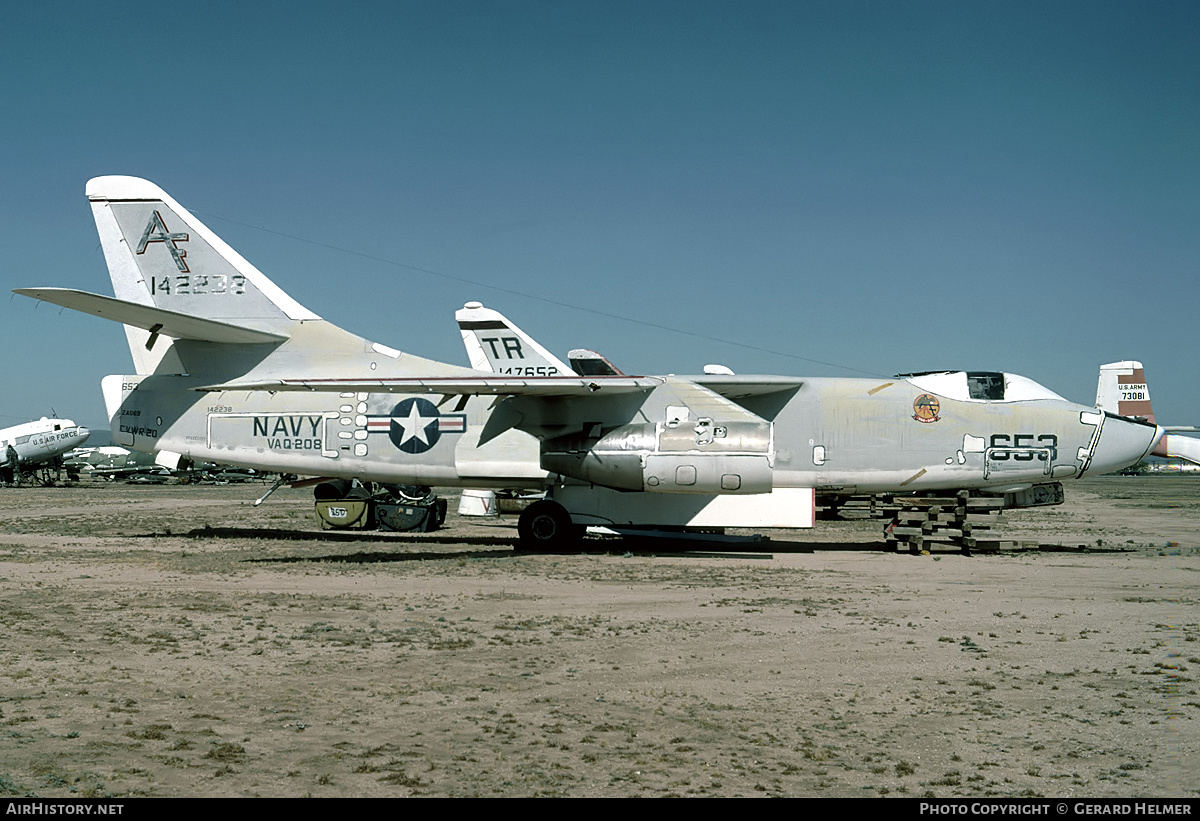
<point x="176" y="641"/>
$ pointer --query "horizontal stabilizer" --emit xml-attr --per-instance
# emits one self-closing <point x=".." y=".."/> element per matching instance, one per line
<point x="148" y="318"/>
<point x="1179" y="447"/>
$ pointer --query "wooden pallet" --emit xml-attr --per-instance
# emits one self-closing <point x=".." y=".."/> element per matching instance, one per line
<point x="959" y="522"/>
<point x="962" y="521"/>
<point x="887" y="505"/>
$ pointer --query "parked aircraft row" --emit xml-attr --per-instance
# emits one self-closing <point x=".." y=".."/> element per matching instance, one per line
<point x="114" y="463"/>
<point x="230" y="368"/>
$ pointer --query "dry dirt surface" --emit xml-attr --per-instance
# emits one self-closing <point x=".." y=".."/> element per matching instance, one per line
<point x="176" y="641"/>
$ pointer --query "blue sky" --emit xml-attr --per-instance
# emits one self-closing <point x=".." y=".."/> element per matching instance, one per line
<point x="830" y="189"/>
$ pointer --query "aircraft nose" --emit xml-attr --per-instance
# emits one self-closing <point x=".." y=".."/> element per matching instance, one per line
<point x="1123" y="442"/>
<point x="84" y="433"/>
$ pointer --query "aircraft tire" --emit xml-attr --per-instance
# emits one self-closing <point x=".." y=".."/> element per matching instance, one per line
<point x="546" y="526"/>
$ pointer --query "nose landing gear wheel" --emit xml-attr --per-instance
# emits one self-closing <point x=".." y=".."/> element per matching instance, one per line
<point x="547" y="526"/>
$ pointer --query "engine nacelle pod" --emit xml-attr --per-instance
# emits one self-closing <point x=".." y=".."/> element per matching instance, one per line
<point x="620" y="471"/>
<point x="632" y="457"/>
<point x="707" y="473"/>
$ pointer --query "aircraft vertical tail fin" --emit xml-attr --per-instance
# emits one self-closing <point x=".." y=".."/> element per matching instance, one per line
<point x="495" y="344"/>
<point x="1123" y="390"/>
<point x="160" y="255"/>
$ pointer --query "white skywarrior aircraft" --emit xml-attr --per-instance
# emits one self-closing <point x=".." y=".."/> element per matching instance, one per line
<point x="231" y="369"/>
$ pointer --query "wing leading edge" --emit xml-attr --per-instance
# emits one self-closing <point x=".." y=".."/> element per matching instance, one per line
<point x="728" y="387"/>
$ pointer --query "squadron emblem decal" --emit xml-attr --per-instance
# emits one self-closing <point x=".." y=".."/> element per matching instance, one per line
<point x="926" y="408"/>
<point x="415" y="425"/>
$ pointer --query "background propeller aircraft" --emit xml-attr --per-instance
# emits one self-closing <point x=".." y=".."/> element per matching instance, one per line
<point x="230" y="368"/>
<point x="29" y="447"/>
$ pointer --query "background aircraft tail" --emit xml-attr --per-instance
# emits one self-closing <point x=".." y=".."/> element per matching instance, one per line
<point x="496" y="345"/>
<point x="160" y="255"/>
<point x="1122" y="390"/>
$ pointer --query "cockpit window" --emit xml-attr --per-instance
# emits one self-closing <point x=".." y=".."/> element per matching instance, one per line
<point x="980" y="386"/>
<point x="985" y="385"/>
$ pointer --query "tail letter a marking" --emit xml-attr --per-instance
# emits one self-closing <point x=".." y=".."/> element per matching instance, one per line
<point x="156" y="231"/>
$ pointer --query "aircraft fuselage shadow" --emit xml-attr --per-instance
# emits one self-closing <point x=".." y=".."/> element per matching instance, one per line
<point x="379" y="557"/>
<point x="277" y="534"/>
<point x="508" y="546"/>
<point x="706" y="549"/>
